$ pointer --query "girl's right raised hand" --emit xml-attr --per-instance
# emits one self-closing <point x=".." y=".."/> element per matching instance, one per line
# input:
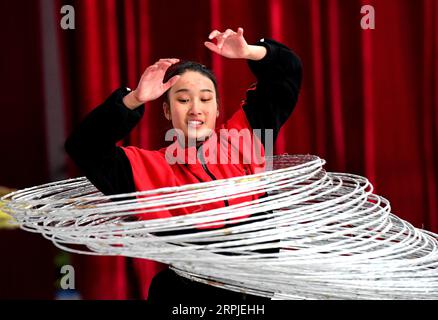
<point x="151" y="86"/>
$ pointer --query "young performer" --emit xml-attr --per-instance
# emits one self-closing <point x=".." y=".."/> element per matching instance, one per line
<point x="191" y="103"/>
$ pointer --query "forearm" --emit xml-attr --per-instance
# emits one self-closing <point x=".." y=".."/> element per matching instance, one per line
<point x="269" y="104"/>
<point x="256" y="52"/>
<point x="97" y="135"/>
<point x="278" y="63"/>
<point x="131" y="101"/>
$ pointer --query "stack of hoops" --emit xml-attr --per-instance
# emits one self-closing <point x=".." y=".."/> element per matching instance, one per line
<point x="316" y="235"/>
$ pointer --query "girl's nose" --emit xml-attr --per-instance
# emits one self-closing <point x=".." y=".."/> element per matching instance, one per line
<point x="195" y="108"/>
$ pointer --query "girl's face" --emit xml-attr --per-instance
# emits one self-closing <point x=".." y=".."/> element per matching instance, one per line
<point x="193" y="106"/>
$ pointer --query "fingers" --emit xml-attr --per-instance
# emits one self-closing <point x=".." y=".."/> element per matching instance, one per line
<point x="166" y="63"/>
<point x="162" y="65"/>
<point x="222" y="36"/>
<point x="216" y="33"/>
<point x="213" y="34"/>
<point x="171" y="82"/>
<point x="170" y="60"/>
<point x="228" y="32"/>
<point x="212" y="47"/>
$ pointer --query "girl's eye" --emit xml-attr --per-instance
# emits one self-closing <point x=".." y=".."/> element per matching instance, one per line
<point x="206" y="100"/>
<point x="183" y="100"/>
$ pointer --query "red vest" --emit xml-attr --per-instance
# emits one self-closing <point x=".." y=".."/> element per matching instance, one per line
<point x="233" y="151"/>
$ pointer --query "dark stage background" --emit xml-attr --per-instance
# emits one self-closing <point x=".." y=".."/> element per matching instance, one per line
<point x="368" y="103"/>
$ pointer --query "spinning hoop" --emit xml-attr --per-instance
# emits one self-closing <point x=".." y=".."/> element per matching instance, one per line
<point x="316" y="235"/>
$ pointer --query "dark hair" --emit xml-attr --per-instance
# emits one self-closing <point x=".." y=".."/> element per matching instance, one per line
<point x="184" y="66"/>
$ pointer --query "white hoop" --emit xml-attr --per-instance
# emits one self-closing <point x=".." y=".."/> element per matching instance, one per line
<point x="324" y="235"/>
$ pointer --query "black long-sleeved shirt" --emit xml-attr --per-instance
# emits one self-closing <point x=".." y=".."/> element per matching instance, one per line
<point x="268" y="105"/>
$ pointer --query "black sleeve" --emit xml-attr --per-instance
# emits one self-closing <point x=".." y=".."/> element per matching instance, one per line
<point x="270" y="102"/>
<point x="92" y="146"/>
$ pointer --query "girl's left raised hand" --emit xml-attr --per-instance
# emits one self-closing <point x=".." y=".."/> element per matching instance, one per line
<point x="229" y="44"/>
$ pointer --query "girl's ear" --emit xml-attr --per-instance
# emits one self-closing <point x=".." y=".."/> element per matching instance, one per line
<point x="166" y="110"/>
<point x="217" y="113"/>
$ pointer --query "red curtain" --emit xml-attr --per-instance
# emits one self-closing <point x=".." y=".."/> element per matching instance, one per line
<point x="368" y="103"/>
<point x="23" y="155"/>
